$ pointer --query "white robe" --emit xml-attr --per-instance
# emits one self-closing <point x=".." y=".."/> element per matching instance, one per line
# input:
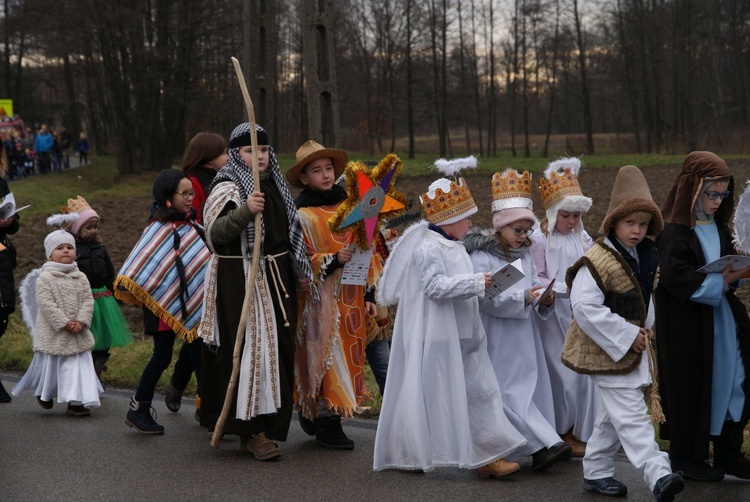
<point x="576" y="399"/>
<point x="442" y="405"/>
<point x="517" y="357"/>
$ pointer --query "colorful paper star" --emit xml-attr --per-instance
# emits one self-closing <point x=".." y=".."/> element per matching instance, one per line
<point x="371" y="198"/>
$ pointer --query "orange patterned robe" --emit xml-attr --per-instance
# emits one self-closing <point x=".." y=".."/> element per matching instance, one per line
<point x="330" y="354"/>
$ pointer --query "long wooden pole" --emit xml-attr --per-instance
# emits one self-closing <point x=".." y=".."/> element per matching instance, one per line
<point x="250" y="286"/>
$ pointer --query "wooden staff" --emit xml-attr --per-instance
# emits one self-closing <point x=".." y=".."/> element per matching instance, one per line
<point x="250" y="286"/>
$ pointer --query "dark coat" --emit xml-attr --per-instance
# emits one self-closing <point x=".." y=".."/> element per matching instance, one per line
<point x="93" y="260"/>
<point x="685" y="340"/>
<point x="7" y="260"/>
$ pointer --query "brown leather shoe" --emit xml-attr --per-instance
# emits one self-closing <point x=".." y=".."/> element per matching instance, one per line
<point x="47" y="405"/>
<point x="498" y="469"/>
<point x="77" y="410"/>
<point x="578" y="448"/>
<point x="263" y="448"/>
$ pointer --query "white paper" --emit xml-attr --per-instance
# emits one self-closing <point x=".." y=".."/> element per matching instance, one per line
<point x="355" y="270"/>
<point x="735" y="261"/>
<point x="8" y="206"/>
<point x="504" y="278"/>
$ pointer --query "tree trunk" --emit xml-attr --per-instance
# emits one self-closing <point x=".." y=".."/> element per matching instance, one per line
<point x="585" y="94"/>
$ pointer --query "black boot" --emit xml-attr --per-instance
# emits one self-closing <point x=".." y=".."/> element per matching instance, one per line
<point x="140" y="417"/>
<point x="173" y="398"/>
<point x="100" y="358"/>
<point x="330" y="434"/>
<point x="728" y="455"/>
<point x="4" y="396"/>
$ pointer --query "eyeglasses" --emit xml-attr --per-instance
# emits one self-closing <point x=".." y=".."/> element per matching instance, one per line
<point x="716" y="195"/>
<point x="520" y="231"/>
<point x="187" y="194"/>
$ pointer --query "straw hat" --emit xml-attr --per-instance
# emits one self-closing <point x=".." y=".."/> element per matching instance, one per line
<point x="312" y="151"/>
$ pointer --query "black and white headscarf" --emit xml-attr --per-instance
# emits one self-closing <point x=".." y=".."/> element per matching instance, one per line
<point x="239" y="173"/>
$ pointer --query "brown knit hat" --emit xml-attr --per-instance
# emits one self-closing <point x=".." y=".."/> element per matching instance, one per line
<point x="631" y="194"/>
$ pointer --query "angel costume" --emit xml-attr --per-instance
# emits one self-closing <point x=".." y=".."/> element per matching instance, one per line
<point x="514" y="344"/>
<point x="263" y="399"/>
<point x="442" y="405"/>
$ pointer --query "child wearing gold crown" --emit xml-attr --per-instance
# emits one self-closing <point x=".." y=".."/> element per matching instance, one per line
<point x="108" y="325"/>
<point x="442" y="405"/>
<point x="560" y="243"/>
<point x="510" y="319"/>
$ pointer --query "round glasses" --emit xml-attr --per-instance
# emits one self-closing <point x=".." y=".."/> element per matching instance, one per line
<point x="520" y="231"/>
<point x="716" y="195"/>
<point x="187" y="194"/>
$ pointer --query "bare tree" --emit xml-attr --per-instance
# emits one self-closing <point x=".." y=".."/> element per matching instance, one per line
<point x="585" y="93"/>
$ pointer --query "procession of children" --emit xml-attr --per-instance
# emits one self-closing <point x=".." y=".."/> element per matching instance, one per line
<point x="527" y="339"/>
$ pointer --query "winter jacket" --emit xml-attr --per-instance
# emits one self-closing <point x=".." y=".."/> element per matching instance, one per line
<point x="63" y="297"/>
<point x="7" y="259"/>
<point x="93" y="260"/>
<point x="43" y="143"/>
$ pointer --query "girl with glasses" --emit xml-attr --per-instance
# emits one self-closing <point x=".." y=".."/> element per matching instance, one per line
<point x="169" y="285"/>
<point x="704" y="334"/>
<point x="510" y="320"/>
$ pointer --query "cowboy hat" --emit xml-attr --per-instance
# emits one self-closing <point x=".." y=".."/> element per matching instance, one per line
<point x="312" y="151"/>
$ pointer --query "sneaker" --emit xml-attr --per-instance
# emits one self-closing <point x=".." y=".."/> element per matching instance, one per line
<point x="498" y="469"/>
<point x="668" y="486"/>
<point x="47" y="405"/>
<point x="696" y="470"/>
<point x="307" y="425"/>
<point x="77" y="410"/>
<point x="263" y="448"/>
<point x="173" y="398"/>
<point x="605" y="486"/>
<point x="545" y="457"/>
<point x="142" y="417"/>
<point x="329" y="434"/>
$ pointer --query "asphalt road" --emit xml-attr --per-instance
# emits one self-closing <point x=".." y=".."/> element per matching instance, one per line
<point x="46" y="455"/>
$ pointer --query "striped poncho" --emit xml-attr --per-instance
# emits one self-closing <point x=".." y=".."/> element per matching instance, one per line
<point x="150" y="276"/>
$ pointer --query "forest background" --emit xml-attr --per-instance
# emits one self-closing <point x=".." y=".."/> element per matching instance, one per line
<point x="529" y="78"/>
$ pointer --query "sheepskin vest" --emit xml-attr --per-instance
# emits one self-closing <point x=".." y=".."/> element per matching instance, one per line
<point x="622" y="295"/>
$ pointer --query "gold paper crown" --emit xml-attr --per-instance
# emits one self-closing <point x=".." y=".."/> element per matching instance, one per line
<point x="75" y="205"/>
<point x="560" y="180"/>
<point x="451" y="206"/>
<point x="510" y="184"/>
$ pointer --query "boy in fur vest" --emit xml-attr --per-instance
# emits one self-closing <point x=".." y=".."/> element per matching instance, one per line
<point x="609" y="339"/>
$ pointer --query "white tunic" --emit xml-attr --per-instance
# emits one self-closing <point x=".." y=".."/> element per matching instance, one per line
<point x="576" y="398"/>
<point x="515" y="350"/>
<point x="442" y="405"/>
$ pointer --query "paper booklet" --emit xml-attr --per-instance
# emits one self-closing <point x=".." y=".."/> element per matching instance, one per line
<point x="547" y="293"/>
<point x="8" y="207"/>
<point x="355" y="270"/>
<point x="504" y="278"/>
<point x="734" y="260"/>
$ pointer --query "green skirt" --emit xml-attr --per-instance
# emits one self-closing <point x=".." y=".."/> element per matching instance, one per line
<point x="108" y="325"/>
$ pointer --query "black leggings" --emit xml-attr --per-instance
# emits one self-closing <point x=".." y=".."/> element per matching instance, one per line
<point x="162" y="356"/>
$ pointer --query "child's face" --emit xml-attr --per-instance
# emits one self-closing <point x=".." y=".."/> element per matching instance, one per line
<point x="219" y="161"/>
<point x="716" y="190"/>
<point x="516" y="233"/>
<point x="89" y="229"/>
<point x="246" y="152"/>
<point x="458" y="229"/>
<point x="64" y="253"/>
<point x="567" y="221"/>
<point x="182" y="199"/>
<point x="318" y="174"/>
<point x="631" y="229"/>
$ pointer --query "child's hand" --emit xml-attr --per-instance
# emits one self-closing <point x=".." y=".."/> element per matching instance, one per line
<point x="730" y="276"/>
<point x="487" y="279"/>
<point x="639" y="344"/>
<point x="74" y="327"/>
<point x="344" y="255"/>
<point x="532" y="294"/>
<point x="304" y="284"/>
<point x="550" y="300"/>
<point x="256" y="202"/>
<point x="369" y="309"/>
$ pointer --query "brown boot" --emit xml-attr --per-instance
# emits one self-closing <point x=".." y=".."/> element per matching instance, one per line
<point x="261" y="447"/>
<point x="498" y="469"/>
<point x="578" y="448"/>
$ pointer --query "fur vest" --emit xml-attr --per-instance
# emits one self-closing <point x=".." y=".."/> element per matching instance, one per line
<point x="622" y="295"/>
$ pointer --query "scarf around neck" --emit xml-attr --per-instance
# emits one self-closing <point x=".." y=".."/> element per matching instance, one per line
<point x="60" y="267"/>
<point x="316" y="198"/>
